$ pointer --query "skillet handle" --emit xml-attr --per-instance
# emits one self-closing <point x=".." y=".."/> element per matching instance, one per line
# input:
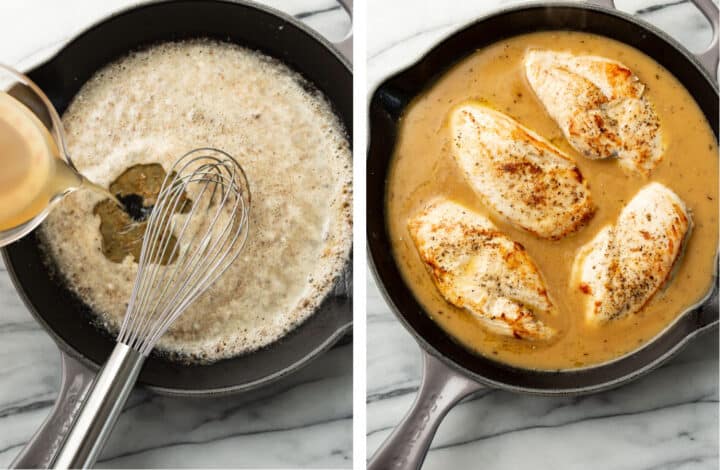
<point x="709" y="58"/>
<point x="42" y="448"/>
<point x="440" y="389"/>
<point x="604" y="3"/>
<point x="100" y="409"/>
<point x="345" y="46"/>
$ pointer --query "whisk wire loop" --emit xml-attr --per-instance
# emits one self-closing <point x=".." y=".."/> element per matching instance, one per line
<point x="207" y="250"/>
<point x="195" y="232"/>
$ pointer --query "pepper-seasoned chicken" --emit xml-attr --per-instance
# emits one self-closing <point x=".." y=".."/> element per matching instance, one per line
<point x="599" y="105"/>
<point x="478" y="268"/>
<point x="523" y="177"/>
<point x="626" y="264"/>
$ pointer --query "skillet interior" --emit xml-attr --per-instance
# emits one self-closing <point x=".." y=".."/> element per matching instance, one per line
<point x="388" y="103"/>
<point x="57" y="308"/>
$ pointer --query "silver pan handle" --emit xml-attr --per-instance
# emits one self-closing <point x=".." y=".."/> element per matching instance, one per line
<point x="42" y="448"/>
<point x="84" y="413"/>
<point x="345" y="46"/>
<point x="709" y="57"/>
<point x="440" y="389"/>
<point x="100" y="409"/>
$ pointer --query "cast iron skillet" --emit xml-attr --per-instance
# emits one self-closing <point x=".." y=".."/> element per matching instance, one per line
<point x="58" y="310"/>
<point x="451" y="372"/>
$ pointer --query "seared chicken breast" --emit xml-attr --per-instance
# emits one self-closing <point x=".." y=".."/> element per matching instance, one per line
<point x="523" y="177"/>
<point x="477" y="268"/>
<point x="626" y="264"/>
<point x="599" y="105"/>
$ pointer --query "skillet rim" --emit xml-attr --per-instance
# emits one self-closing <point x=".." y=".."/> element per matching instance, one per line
<point x="342" y="322"/>
<point x="710" y="299"/>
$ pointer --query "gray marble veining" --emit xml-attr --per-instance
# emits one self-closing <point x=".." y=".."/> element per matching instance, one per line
<point x="288" y="428"/>
<point x="667" y="420"/>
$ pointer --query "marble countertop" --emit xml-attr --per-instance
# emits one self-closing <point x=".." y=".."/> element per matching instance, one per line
<point x="285" y="429"/>
<point x="667" y="420"/>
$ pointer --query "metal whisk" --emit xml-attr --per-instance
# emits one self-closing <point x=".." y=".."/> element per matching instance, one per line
<point x="196" y="230"/>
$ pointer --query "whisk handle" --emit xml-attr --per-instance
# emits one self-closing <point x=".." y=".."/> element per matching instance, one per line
<point x="100" y="409"/>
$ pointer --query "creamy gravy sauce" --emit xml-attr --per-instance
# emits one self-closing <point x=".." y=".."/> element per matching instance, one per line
<point x="423" y="168"/>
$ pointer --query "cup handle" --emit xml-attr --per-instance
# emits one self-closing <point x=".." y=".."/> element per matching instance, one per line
<point x="440" y="389"/>
<point x="345" y="45"/>
<point x="75" y="381"/>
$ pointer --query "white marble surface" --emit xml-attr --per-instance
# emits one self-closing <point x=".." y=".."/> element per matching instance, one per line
<point x="667" y="420"/>
<point x="287" y="429"/>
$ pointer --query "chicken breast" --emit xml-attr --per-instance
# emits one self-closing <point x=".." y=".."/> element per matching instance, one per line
<point x="523" y="177"/>
<point x="477" y="268"/>
<point x="599" y="105"/>
<point x="626" y="264"/>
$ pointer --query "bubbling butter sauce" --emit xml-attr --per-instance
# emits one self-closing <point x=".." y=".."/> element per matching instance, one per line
<point x="137" y="116"/>
<point x="423" y="168"/>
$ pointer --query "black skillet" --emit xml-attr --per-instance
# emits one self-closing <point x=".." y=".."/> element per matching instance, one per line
<point x="451" y="372"/>
<point x="66" y="318"/>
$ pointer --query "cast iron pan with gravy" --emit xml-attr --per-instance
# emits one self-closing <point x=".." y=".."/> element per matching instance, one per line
<point x="66" y="318"/>
<point x="451" y="372"/>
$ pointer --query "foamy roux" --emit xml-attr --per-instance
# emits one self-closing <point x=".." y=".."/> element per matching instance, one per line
<point x="154" y="106"/>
